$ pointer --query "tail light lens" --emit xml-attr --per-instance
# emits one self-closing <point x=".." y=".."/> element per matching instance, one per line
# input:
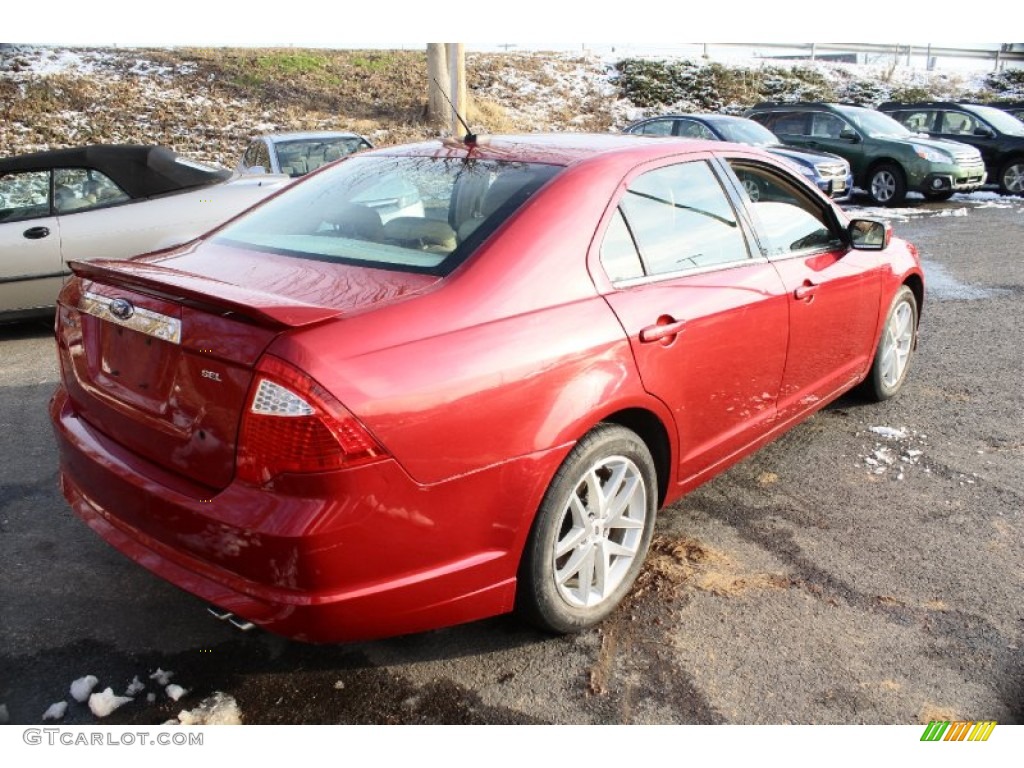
<point x="293" y="425"/>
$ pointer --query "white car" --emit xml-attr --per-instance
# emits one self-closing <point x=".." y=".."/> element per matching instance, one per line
<point x="296" y="154"/>
<point x="109" y="202"/>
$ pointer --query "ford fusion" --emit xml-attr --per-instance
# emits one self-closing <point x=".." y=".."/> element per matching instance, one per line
<point x="338" y="425"/>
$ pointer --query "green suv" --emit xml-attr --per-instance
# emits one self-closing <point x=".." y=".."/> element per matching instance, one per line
<point x="887" y="159"/>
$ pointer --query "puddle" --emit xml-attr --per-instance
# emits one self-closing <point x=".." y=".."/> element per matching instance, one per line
<point x="942" y="285"/>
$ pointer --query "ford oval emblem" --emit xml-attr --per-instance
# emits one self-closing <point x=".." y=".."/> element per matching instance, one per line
<point x="122" y="309"/>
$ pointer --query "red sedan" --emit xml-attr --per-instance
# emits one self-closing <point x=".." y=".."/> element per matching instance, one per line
<point x="338" y="422"/>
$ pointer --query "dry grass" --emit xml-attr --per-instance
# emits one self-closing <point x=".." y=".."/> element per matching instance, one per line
<point x="207" y="103"/>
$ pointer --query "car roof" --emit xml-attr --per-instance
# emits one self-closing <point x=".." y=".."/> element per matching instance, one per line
<point x="139" y="170"/>
<point x="309" y="136"/>
<point x="558" y="148"/>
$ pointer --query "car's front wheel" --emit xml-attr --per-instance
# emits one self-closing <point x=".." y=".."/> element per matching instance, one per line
<point x="895" y="348"/>
<point x="1011" y="177"/>
<point x="591" y="534"/>
<point x="887" y="185"/>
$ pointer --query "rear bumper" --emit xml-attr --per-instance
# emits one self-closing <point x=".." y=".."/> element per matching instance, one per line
<point x="342" y="556"/>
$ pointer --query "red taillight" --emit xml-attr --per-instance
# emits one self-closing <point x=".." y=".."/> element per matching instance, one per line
<point x="293" y="425"/>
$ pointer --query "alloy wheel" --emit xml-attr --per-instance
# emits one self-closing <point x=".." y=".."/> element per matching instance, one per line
<point x="600" y="532"/>
<point x="883" y="186"/>
<point x="1013" y="178"/>
<point x="899" y="337"/>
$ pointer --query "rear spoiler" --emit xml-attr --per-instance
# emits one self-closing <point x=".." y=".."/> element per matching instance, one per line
<point x="204" y="293"/>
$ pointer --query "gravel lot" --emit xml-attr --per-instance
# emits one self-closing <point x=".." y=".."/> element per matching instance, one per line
<point x="805" y="585"/>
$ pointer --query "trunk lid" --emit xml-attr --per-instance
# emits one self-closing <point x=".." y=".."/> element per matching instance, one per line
<point x="158" y="353"/>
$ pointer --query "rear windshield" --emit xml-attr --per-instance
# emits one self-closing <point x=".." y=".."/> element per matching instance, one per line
<point x="415" y="214"/>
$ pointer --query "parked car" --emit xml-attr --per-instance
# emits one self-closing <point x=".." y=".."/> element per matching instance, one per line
<point x="830" y="173"/>
<point x="296" y="154"/>
<point x="110" y="201"/>
<point x="887" y="159"/>
<point x="998" y="136"/>
<point x="338" y="428"/>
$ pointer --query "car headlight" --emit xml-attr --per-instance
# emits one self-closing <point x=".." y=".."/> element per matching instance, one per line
<point x="932" y="155"/>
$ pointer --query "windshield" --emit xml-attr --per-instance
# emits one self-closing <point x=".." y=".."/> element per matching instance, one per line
<point x="874" y="124"/>
<point x="300" y="156"/>
<point x="746" y="132"/>
<point x="1000" y="120"/>
<point x="417" y="214"/>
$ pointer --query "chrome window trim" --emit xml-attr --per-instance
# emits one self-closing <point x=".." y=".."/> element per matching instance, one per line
<point x="647" y="279"/>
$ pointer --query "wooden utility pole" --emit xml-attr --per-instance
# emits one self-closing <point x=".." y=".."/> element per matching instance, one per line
<point x="438" y="81"/>
<point x="457" y="73"/>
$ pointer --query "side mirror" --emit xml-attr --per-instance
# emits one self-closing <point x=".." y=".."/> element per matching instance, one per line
<point x="869" y="234"/>
<point x="850" y="135"/>
<point x="982" y="130"/>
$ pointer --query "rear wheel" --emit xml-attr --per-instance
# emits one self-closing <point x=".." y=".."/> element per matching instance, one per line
<point x="895" y="348"/>
<point x="1011" y="177"/>
<point x="591" y="534"/>
<point x="887" y="185"/>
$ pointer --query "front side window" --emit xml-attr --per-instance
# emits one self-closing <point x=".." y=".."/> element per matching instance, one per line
<point x="83" y="189"/>
<point x="959" y="123"/>
<point x="789" y="220"/>
<point x="418" y="214"/>
<point x="827" y="126"/>
<point x="681" y="219"/>
<point x="24" y="195"/>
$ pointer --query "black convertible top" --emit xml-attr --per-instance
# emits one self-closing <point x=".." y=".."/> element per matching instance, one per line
<point x="140" y="171"/>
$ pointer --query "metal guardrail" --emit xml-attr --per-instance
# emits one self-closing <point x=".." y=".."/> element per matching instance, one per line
<point x="1005" y="52"/>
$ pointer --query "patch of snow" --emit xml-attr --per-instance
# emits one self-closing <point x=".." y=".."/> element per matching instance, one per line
<point x="82" y="687"/>
<point x="135" y="687"/>
<point x="151" y="697"/>
<point x="890" y="433"/>
<point x="174" y="691"/>
<point x="219" y="709"/>
<point x="339" y="685"/>
<point x="56" y="711"/>
<point x="161" y="677"/>
<point x="102" y="704"/>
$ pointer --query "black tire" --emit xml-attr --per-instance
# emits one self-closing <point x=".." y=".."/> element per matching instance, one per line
<point x="566" y="516"/>
<point x="887" y="185"/>
<point x="1011" y="177"/>
<point x="938" y="197"/>
<point x="884" y="381"/>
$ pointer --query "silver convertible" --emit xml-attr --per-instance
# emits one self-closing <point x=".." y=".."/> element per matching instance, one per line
<point x="105" y="201"/>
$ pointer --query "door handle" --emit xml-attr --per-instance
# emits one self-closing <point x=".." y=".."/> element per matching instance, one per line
<point x="661" y="331"/>
<point x="36" y="233"/>
<point x="806" y="291"/>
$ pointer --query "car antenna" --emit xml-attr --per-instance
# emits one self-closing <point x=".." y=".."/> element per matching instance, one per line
<point x="470" y="137"/>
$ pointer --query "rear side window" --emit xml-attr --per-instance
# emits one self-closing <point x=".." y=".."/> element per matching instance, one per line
<point x="793" y="123"/>
<point x="681" y="219"/>
<point x="656" y="128"/>
<point x="959" y="124"/>
<point x="417" y="214"/>
<point x="84" y="189"/>
<point x="917" y="120"/>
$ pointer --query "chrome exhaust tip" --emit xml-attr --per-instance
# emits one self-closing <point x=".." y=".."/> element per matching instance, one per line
<point x="236" y="621"/>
